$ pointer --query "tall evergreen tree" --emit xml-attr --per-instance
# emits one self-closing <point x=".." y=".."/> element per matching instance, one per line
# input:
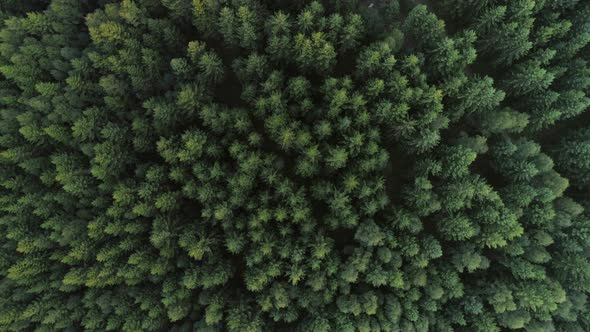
<point x="327" y="165"/>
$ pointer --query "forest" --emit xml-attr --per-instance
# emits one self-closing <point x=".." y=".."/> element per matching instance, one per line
<point x="295" y="165"/>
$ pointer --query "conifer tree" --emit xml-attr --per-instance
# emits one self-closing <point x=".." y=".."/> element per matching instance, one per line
<point x="312" y="165"/>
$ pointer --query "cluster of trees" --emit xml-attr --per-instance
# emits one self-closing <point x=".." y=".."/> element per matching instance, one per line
<point x="263" y="165"/>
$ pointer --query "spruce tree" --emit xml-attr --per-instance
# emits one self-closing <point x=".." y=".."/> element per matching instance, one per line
<point x="310" y="165"/>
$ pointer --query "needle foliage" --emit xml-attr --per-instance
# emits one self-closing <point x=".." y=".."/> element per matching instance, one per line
<point x="274" y="165"/>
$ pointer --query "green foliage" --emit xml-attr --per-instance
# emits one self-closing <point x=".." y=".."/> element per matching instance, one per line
<point x="328" y="165"/>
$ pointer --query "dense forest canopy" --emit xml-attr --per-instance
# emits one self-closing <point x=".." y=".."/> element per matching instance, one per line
<point x="295" y="165"/>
